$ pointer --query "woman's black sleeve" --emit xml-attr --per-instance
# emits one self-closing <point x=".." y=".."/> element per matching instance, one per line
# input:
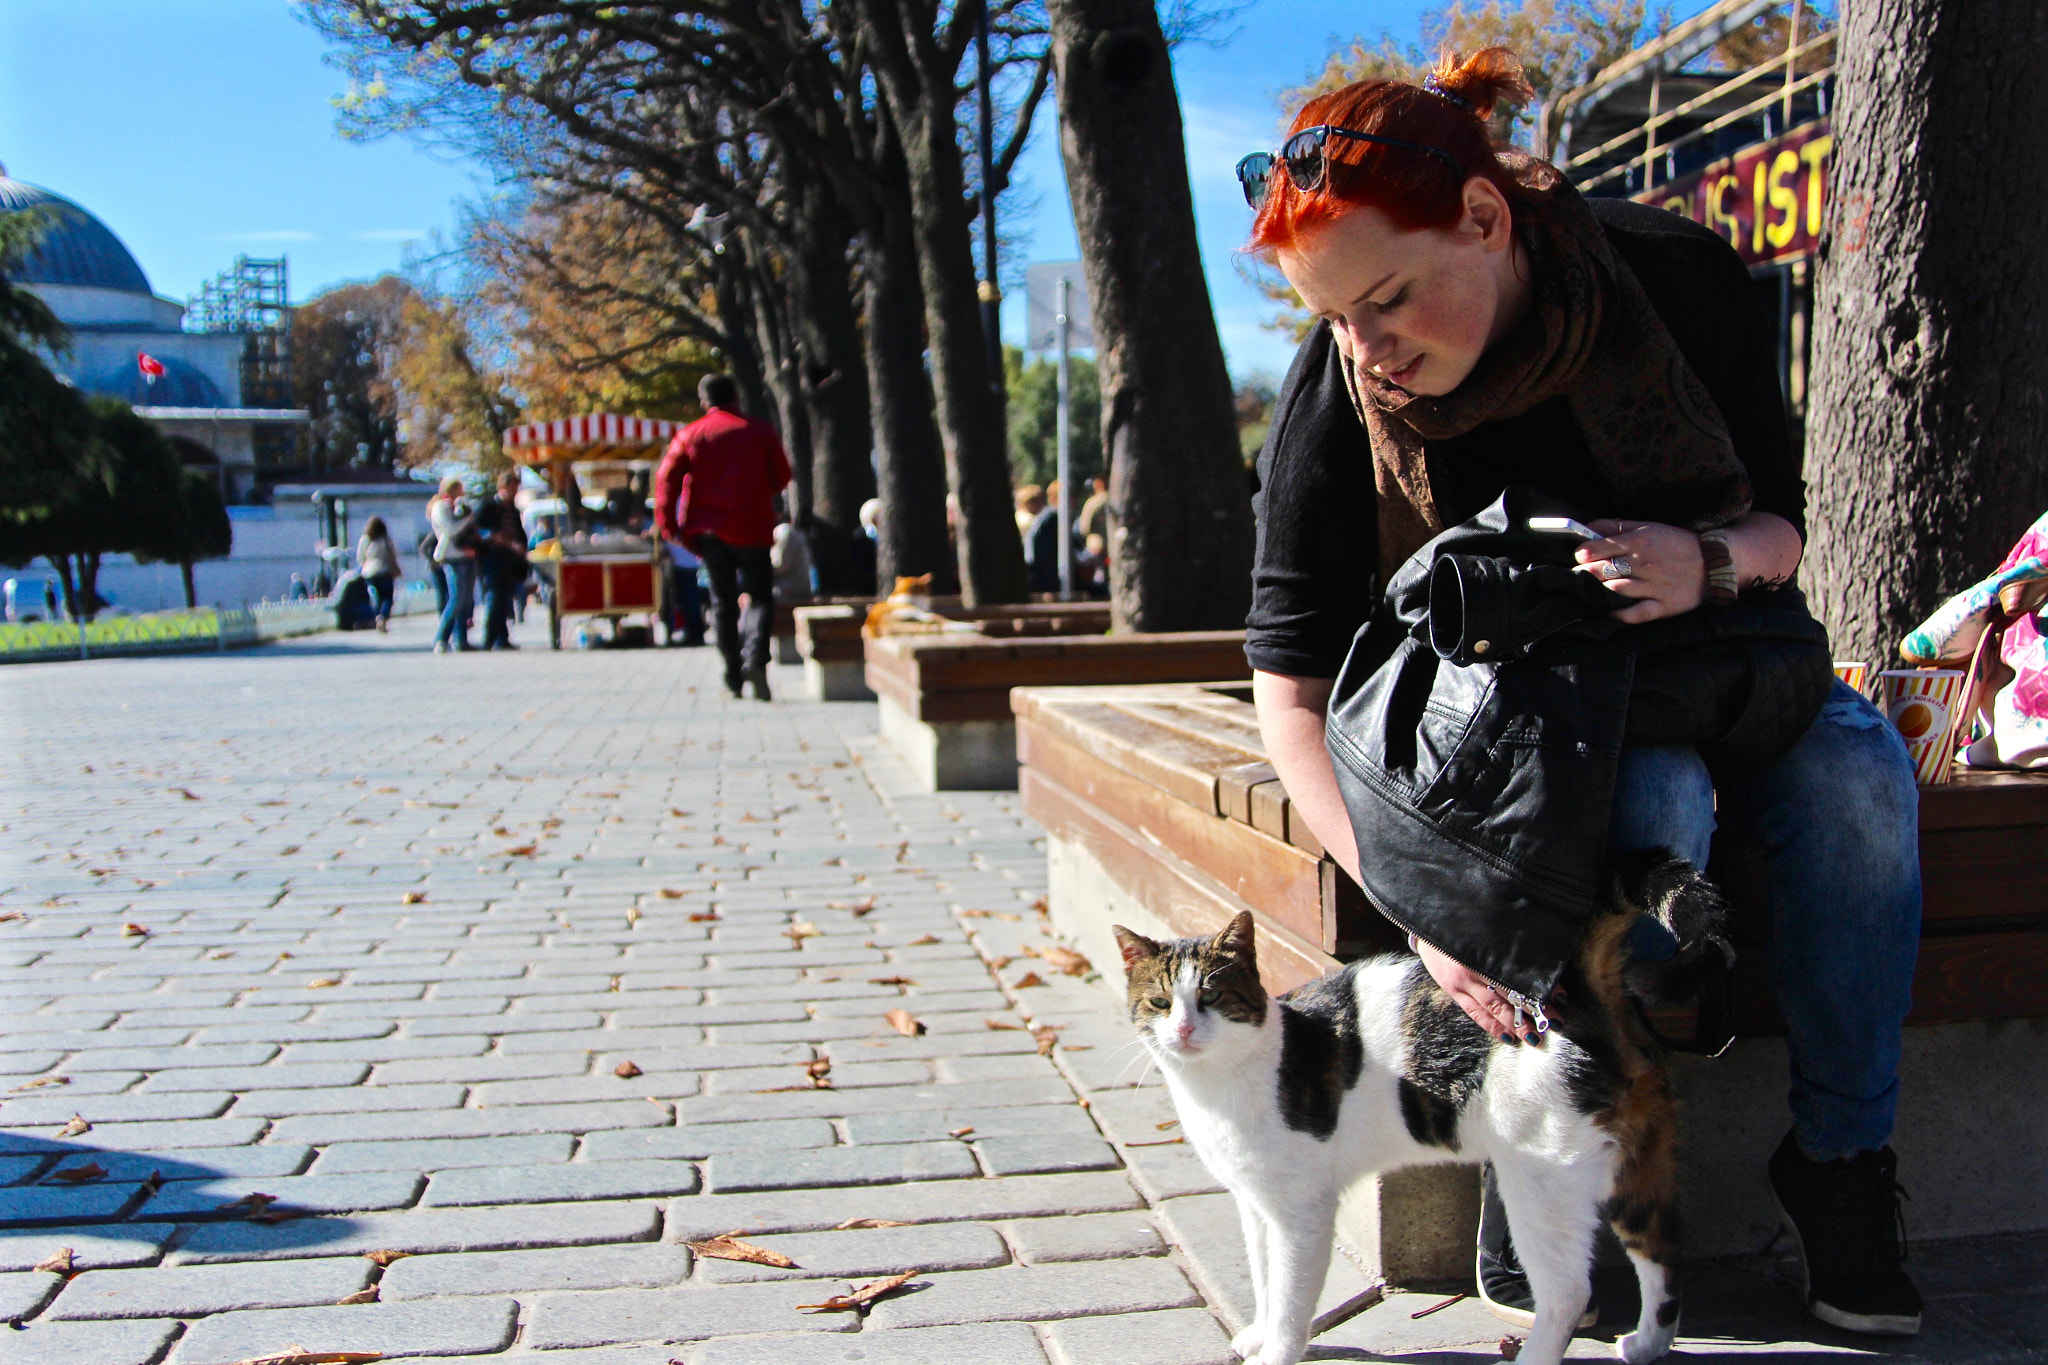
<point x="1314" y="574"/>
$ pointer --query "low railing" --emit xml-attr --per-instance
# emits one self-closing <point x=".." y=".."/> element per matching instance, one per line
<point x="184" y="632"/>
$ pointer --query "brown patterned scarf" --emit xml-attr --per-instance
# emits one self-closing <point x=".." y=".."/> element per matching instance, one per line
<point x="1591" y="337"/>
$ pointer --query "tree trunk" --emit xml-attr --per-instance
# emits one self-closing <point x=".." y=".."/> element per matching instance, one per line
<point x="89" y="583"/>
<point x="185" y="573"/>
<point x="65" y="579"/>
<point x="832" y="377"/>
<point x="1928" y="425"/>
<point x="1181" y="525"/>
<point x="914" y="539"/>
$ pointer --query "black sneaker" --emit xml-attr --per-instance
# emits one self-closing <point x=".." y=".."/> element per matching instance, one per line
<point x="757" y="678"/>
<point x="1845" y="1221"/>
<point x="732" y="686"/>
<point x="1503" y="1284"/>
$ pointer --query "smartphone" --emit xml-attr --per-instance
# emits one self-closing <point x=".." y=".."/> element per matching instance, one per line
<point x="1562" y="526"/>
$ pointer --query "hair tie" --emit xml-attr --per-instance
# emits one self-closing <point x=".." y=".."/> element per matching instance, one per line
<point x="1436" y="87"/>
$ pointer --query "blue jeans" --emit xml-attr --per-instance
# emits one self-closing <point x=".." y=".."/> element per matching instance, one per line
<point x="455" y="612"/>
<point x="1838" y="819"/>
<point x="380" y="585"/>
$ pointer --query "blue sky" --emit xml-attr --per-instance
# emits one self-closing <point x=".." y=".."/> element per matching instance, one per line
<point x="200" y="129"/>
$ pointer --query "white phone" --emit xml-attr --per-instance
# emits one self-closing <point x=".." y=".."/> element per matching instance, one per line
<point x="1562" y="526"/>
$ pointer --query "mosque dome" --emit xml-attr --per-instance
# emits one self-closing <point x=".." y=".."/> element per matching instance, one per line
<point x="180" y="385"/>
<point x="78" y="249"/>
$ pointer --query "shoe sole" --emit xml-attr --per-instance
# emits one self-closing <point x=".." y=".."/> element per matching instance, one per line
<point x="1868" y="1324"/>
<point x="1520" y="1317"/>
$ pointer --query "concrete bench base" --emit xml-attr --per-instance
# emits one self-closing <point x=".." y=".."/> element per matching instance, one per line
<point x="952" y="755"/>
<point x="837" y="680"/>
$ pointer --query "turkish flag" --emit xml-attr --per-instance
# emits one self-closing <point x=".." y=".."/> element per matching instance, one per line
<point x="152" y="368"/>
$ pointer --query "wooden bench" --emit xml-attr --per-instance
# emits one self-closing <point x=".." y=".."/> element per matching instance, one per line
<point x="827" y="639"/>
<point x="1162" y="813"/>
<point x="945" y="699"/>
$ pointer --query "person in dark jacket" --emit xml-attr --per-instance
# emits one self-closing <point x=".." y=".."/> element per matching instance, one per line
<point x="715" y="493"/>
<point x="1480" y="327"/>
<point x="501" y="559"/>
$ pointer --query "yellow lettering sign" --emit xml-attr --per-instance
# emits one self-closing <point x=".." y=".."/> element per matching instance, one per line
<point x="1784" y="199"/>
<point x="1718" y="216"/>
<point x="1756" y="207"/>
<point x="1815" y="155"/>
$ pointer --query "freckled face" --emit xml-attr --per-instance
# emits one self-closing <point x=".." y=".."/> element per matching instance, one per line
<point x="1416" y="307"/>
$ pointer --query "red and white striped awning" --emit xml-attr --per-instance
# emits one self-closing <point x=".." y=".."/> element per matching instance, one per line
<point x="581" y="433"/>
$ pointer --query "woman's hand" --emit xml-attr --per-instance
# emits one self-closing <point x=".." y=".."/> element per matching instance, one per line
<point x="1665" y="572"/>
<point x="1475" y="995"/>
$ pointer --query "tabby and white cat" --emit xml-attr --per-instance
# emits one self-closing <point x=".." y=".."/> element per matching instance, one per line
<point x="1290" y="1100"/>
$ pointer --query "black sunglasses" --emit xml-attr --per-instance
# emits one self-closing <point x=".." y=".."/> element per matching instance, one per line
<point x="1307" y="164"/>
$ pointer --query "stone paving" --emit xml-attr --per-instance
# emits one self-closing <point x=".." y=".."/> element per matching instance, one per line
<point x="367" y="1000"/>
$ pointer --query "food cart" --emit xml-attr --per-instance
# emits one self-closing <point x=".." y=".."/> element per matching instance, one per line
<point x="607" y="575"/>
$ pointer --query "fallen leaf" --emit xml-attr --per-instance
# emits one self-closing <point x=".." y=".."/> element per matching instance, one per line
<point x="522" y="851"/>
<point x="75" y="1127"/>
<point x="801" y="930"/>
<point x="679" y="814"/>
<point x="632" y="915"/>
<point x="185" y="792"/>
<point x="413" y="898"/>
<point x="78" y="1175"/>
<point x="1047" y="1036"/>
<point x="615" y="983"/>
<point x="670" y="893"/>
<point x="861" y="1297"/>
<point x="854" y="908"/>
<point x="104" y="871"/>
<point x="703" y="916"/>
<point x="997" y="963"/>
<point x="1026" y="981"/>
<point x="57" y="1263"/>
<point x="11" y="916"/>
<point x="1066" y="960"/>
<point x="850" y="1224"/>
<point x="288" y="850"/>
<point x="1162" y="1127"/>
<point x="820" y="1072"/>
<point x="299" y="1355"/>
<point x="904" y="1023"/>
<point x="1157" y="1142"/>
<point x="501" y="832"/>
<point x="890" y="981"/>
<point x="134" y="931"/>
<point x="728" y="1247"/>
<point x="277" y="1213"/>
<point x="385" y="1257"/>
<point x="323" y="983"/>
<point x="39" y="1082"/>
<point x="626" y="1070"/>
<point x="961" y="1132"/>
<point x="922" y="940"/>
<point x="1001" y="1024"/>
<point x="360" y="1296"/>
<point x="991" y="914"/>
<point x="253" y="1202"/>
<point x="1510" y="1348"/>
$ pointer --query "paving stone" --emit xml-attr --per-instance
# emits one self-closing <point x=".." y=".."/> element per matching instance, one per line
<point x="458" y="1327"/>
<point x="1002" y="1066"/>
<point x="1019" y="1196"/>
<point x="355" y="1099"/>
<point x="26" y="1205"/>
<point x="1169" y="1172"/>
<point x="424" y="1230"/>
<point x="867" y="1251"/>
<point x="498" y="1025"/>
<point x="441" y="1154"/>
<point x="321" y="1129"/>
<point x="202" y="1104"/>
<point x="394" y="1051"/>
<point x="13" y="1168"/>
<point x="92" y="1248"/>
<point x="557" y="1321"/>
<point x="551" y="1268"/>
<point x="199" y="1199"/>
<point x="75" y="1343"/>
<point x="282" y="1077"/>
<point x="979" y="1040"/>
<point x="320" y="1031"/>
<point x="721" y="1057"/>
<point x="168" y="1058"/>
<point x="573" y="1180"/>
<point x="204" y="1163"/>
<point x="1028" y="1155"/>
<point x="1022" y="1293"/>
<point x="1187" y="1336"/>
<point x="995" y="1343"/>
<point x="1018" y="1121"/>
<point x="190" y="1291"/>
<point x="22" y="1292"/>
<point x="134" y="1137"/>
<point x="477" y="1068"/>
<point x="832" y="1103"/>
<point x="707" y="1139"/>
<point x="845" y="1076"/>
<point x="817" y="1167"/>
<point x="1090" y="1237"/>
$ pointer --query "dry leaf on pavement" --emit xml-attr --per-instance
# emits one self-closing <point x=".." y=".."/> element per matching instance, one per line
<point x="11" y="916"/>
<point x="890" y="981"/>
<point x="1510" y="1348"/>
<point x="922" y="941"/>
<point x="185" y="792"/>
<point x="632" y="914"/>
<point x="1026" y="981"/>
<point x="255" y="1202"/>
<point x="855" y="908"/>
<point x="670" y="893"/>
<point x="134" y="931"/>
<point x="75" y="1127"/>
<point x="296" y="1354"/>
<point x="1066" y="960"/>
<point x="57" y="1262"/>
<point x="850" y="1224"/>
<point x="385" y="1256"/>
<point x="728" y="1247"/>
<point x="626" y="1070"/>
<point x="1001" y="1024"/>
<point x="1047" y="1036"/>
<point x="704" y="917"/>
<point x="522" y="851"/>
<point x="904" y="1022"/>
<point x="801" y="930"/>
<point x="78" y="1175"/>
<point x="41" y="1081"/>
<point x="413" y="898"/>
<point x="368" y="1295"/>
<point x="961" y="1132"/>
<point x="820" y="1072"/>
<point x="323" y="983"/>
<point x="861" y="1297"/>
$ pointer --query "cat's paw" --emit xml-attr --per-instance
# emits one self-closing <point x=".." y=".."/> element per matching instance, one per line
<point x="1640" y="1348"/>
<point x="1247" y="1342"/>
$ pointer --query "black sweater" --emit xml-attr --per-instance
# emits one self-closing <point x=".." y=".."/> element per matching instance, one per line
<point x="1314" y="580"/>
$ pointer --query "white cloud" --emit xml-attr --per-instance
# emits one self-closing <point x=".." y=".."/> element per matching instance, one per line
<point x="272" y="235"/>
<point x="389" y="234"/>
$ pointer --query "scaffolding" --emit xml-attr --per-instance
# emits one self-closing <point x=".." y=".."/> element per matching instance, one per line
<point x="249" y="299"/>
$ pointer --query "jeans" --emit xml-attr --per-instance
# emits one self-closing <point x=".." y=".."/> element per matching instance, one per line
<point x="1838" y="819"/>
<point x="732" y="572"/>
<point x="503" y="574"/>
<point x="455" y="612"/>
<point x="380" y="585"/>
<point x="685" y="604"/>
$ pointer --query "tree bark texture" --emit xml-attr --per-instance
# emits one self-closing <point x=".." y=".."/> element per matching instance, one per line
<point x="1181" y="524"/>
<point x="917" y="83"/>
<point x="1927" y="431"/>
<point x="831" y="375"/>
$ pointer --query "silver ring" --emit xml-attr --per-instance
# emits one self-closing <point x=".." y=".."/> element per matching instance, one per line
<point x="1618" y="567"/>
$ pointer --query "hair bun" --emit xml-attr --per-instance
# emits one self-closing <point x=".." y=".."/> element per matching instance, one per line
<point x="1485" y="80"/>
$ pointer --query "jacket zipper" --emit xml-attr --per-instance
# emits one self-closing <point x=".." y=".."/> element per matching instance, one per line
<point x="1524" y="1006"/>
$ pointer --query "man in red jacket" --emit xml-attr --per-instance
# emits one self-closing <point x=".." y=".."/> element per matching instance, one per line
<point x="715" y="495"/>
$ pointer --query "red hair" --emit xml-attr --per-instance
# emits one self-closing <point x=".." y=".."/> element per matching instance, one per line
<point x="1415" y="189"/>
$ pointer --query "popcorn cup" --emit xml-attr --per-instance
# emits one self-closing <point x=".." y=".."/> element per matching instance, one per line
<point x="1857" y="675"/>
<point x="1920" y="702"/>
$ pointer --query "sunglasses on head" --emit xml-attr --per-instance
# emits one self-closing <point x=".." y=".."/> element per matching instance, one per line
<point x="1307" y="162"/>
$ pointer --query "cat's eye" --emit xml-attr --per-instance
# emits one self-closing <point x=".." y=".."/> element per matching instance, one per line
<point x="1160" y="1002"/>
<point x="1210" y="997"/>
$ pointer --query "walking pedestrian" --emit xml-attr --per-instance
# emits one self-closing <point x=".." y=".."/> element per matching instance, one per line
<point x="377" y="562"/>
<point x="715" y="494"/>
<point x="501" y="559"/>
<point x="450" y="516"/>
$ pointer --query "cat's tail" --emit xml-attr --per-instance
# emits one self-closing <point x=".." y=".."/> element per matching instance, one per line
<point x="1656" y="885"/>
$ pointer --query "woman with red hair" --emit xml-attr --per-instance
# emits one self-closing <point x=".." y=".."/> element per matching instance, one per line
<point x="1481" y="327"/>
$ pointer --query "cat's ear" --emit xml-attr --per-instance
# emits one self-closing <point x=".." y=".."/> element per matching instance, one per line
<point x="1237" y="939"/>
<point x="1136" y="947"/>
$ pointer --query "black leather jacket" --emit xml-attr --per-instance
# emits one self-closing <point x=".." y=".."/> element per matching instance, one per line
<point x="1479" y="718"/>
